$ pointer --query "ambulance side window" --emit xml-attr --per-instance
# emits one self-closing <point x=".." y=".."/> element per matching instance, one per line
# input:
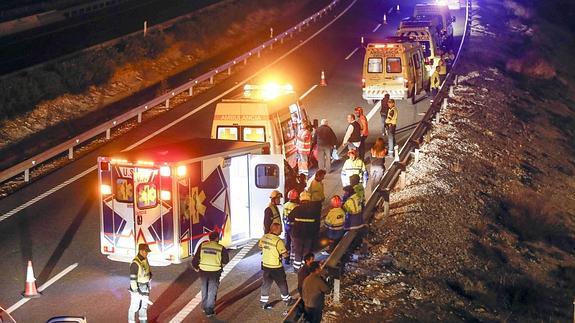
<point x="124" y="190"/>
<point x="254" y="134"/>
<point x="227" y="133"/>
<point x="288" y="130"/>
<point x="393" y="65"/>
<point x="267" y="176"/>
<point x="374" y="65"/>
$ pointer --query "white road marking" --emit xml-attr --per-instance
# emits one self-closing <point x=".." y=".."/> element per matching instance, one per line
<point x="376" y="28"/>
<point x="227" y="269"/>
<point x="375" y="108"/>
<point x="47" y="193"/>
<point x="351" y="54"/>
<point x="43" y="287"/>
<point x="308" y="92"/>
<point x="390" y="10"/>
<point x="84" y="173"/>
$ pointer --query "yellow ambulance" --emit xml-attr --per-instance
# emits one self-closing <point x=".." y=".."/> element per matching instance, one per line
<point x="394" y="66"/>
<point x="262" y="113"/>
<point x="424" y="32"/>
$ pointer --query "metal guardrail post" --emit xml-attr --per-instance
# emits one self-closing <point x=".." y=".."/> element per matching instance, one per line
<point x="108" y="134"/>
<point x="140" y="117"/>
<point x="27" y="175"/>
<point x="71" y="152"/>
<point x="167" y="102"/>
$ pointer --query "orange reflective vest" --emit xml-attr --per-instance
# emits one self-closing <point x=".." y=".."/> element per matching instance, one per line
<point x="303" y="141"/>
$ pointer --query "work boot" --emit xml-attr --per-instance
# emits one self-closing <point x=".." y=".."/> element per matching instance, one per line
<point x="266" y="306"/>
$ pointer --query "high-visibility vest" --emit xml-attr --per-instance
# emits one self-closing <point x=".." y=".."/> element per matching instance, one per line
<point x="288" y="207"/>
<point x="353" y="204"/>
<point x="144" y="272"/>
<point x="352" y="167"/>
<point x="435" y="81"/>
<point x="303" y="141"/>
<point x="272" y="248"/>
<point x="276" y="217"/>
<point x="335" y="218"/>
<point x="391" y="116"/>
<point x="211" y="256"/>
<point x="315" y="189"/>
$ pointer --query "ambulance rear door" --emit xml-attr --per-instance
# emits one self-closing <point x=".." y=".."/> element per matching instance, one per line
<point x="266" y="173"/>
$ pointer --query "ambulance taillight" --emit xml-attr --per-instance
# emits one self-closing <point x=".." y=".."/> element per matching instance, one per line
<point x="165" y="195"/>
<point x="165" y="171"/>
<point x="105" y="189"/>
<point x="181" y="171"/>
<point x="104" y="166"/>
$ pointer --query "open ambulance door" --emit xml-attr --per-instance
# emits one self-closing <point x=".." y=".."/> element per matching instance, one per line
<point x="266" y="173"/>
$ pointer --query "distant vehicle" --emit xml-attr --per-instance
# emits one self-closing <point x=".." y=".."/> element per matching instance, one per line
<point x="68" y="319"/>
<point x="262" y="113"/>
<point x="451" y="4"/>
<point x="394" y="66"/>
<point x="441" y="11"/>
<point x="173" y="195"/>
<point x="424" y="32"/>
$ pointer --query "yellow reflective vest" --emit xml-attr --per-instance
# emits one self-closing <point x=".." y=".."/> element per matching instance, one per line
<point x="272" y="248"/>
<point x="315" y="189"/>
<point x="391" y="116"/>
<point x="335" y="218"/>
<point x="288" y="207"/>
<point x="144" y="272"/>
<point x="352" y="167"/>
<point x="211" y="256"/>
<point x="353" y="205"/>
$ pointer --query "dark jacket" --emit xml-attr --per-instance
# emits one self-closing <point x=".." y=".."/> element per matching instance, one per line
<point x="314" y="289"/>
<point x="301" y="276"/>
<point x="305" y="221"/>
<point x="325" y="137"/>
<point x="356" y="134"/>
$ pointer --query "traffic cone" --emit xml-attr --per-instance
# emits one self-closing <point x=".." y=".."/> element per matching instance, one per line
<point x="30" y="290"/>
<point x="384" y="19"/>
<point x="323" y="81"/>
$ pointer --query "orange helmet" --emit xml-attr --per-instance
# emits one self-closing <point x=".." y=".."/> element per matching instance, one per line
<point x="336" y="201"/>
<point x="358" y="110"/>
<point x="293" y="194"/>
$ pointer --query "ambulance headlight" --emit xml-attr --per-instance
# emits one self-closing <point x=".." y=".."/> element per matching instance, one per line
<point x="165" y="171"/>
<point x="165" y="195"/>
<point x="105" y="189"/>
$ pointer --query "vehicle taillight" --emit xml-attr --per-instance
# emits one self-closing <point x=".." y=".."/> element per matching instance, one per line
<point x="181" y="170"/>
<point x="104" y="166"/>
<point x="165" y="171"/>
<point x="165" y="195"/>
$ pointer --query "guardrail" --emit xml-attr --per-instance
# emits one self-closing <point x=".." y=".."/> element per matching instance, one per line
<point x="106" y="128"/>
<point x="380" y="196"/>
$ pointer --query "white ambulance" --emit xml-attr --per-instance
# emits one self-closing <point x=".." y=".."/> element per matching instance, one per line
<point x="425" y="33"/>
<point x="394" y="66"/>
<point x="172" y="196"/>
<point x="442" y="11"/>
<point x="262" y="113"/>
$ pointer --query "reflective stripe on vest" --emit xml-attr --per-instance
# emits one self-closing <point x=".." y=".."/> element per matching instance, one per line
<point x="288" y="207"/>
<point x="352" y="167"/>
<point x="144" y="273"/>
<point x="304" y="220"/>
<point x="211" y="256"/>
<point x="271" y="257"/>
<point x="335" y="219"/>
<point x="303" y="142"/>
<point x="391" y="116"/>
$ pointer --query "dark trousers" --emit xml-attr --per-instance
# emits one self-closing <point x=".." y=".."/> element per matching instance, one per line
<point x="210" y="283"/>
<point x="277" y="275"/>
<point x="361" y="149"/>
<point x="287" y="230"/>
<point x="300" y="247"/>
<point x="313" y="314"/>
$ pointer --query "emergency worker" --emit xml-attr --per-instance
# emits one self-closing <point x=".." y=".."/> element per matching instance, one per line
<point x="434" y="83"/>
<point x="273" y="250"/>
<point x="209" y="261"/>
<point x="352" y="137"/>
<point x="316" y="190"/>
<point x="305" y="228"/>
<point x="303" y="146"/>
<point x="390" y="125"/>
<point x="364" y="132"/>
<point x="140" y="277"/>
<point x="334" y="221"/>
<point x="314" y="290"/>
<point x="383" y="111"/>
<point x="442" y="66"/>
<point x="288" y="222"/>
<point x="353" y="205"/>
<point x="353" y="166"/>
<point x="272" y="213"/>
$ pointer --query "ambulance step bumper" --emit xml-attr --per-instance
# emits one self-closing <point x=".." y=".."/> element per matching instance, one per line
<point x="379" y="94"/>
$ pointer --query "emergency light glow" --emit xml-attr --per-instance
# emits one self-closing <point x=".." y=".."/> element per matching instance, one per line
<point x="181" y="171"/>
<point x="105" y="189"/>
<point x="118" y="161"/>
<point x="145" y="163"/>
<point x="165" y="195"/>
<point x="165" y="171"/>
<point x="267" y="91"/>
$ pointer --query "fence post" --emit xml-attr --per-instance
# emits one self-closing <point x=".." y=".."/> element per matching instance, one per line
<point x="139" y="117"/>
<point x="167" y="103"/>
<point x="71" y="152"/>
<point x="27" y="175"/>
<point x="401" y="180"/>
<point x="108" y="133"/>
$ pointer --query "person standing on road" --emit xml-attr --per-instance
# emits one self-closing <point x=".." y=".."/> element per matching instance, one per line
<point x="272" y="213"/>
<point x="273" y="250"/>
<point x="334" y="221"/>
<point x="304" y="271"/>
<point x="390" y="125"/>
<point x="209" y="261"/>
<point x="303" y="146"/>
<point x="353" y="166"/>
<point x="314" y="290"/>
<point x="377" y="165"/>
<point x="442" y="66"/>
<point x="383" y="112"/>
<point x="352" y="137"/>
<point x="316" y="190"/>
<point x="434" y="83"/>
<point x="293" y="196"/>
<point x="304" y="231"/>
<point x="364" y="133"/>
<point x="140" y="277"/>
<point x="326" y="140"/>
